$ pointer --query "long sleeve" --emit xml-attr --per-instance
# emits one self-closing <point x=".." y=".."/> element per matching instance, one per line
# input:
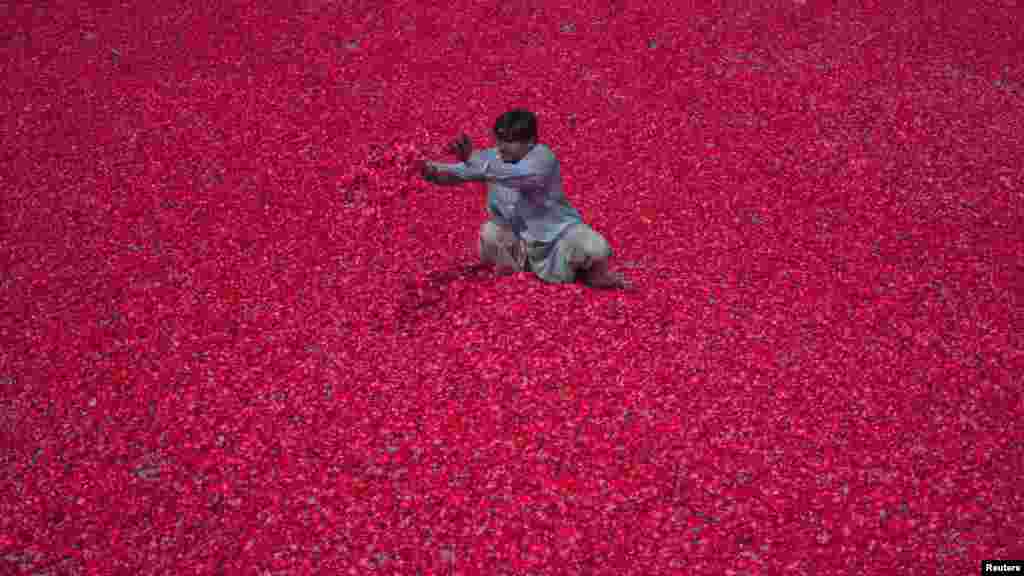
<point x="528" y="174"/>
<point x="526" y="196"/>
<point x="469" y="171"/>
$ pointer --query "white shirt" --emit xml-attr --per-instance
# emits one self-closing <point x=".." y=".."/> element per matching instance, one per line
<point x="526" y="196"/>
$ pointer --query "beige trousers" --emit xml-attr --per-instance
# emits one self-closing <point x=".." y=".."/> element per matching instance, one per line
<point x="574" y="252"/>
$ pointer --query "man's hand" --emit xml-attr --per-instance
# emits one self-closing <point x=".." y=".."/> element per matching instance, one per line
<point x="431" y="173"/>
<point x="462" y="147"/>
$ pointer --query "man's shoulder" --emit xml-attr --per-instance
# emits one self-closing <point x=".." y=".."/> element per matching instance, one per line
<point x="543" y="153"/>
<point x="485" y="154"/>
<point x="544" y="149"/>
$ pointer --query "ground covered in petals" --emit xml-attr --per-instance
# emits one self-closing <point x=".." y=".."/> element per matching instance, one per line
<point x="238" y="335"/>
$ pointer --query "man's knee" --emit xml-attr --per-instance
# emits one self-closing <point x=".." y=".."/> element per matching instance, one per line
<point x="591" y="245"/>
<point x="495" y="234"/>
<point x="499" y="245"/>
<point x="598" y="247"/>
<point x="488" y="233"/>
<point x="488" y="241"/>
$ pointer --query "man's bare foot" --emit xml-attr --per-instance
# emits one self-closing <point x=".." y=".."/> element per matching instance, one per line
<point x="611" y="280"/>
<point x="600" y="277"/>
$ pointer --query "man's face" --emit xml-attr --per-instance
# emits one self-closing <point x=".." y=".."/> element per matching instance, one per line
<point x="512" y="151"/>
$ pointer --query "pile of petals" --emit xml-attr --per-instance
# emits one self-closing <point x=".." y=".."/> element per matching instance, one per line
<point x="240" y="335"/>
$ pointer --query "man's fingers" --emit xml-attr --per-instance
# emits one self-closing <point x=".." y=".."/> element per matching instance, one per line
<point x="461" y="147"/>
<point x="428" y="172"/>
<point x="466" y="148"/>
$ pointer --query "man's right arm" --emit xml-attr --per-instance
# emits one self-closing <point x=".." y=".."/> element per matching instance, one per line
<point x="472" y="170"/>
<point x="446" y="179"/>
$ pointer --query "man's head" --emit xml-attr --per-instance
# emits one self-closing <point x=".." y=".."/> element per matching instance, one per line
<point x="515" y="133"/>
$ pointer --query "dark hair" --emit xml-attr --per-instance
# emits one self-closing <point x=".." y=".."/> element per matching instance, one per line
<point x="517" y="125"/>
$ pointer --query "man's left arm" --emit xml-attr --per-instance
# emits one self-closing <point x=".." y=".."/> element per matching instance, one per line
<point x="435" y="176"/>
<point x="472" y="170"/>
<point x="528" y="174"/>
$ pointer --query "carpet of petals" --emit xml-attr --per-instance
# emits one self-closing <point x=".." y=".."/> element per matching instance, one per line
<point x="238" y="335"/>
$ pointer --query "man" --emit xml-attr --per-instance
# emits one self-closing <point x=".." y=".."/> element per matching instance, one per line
<point x="532" y="226"/>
